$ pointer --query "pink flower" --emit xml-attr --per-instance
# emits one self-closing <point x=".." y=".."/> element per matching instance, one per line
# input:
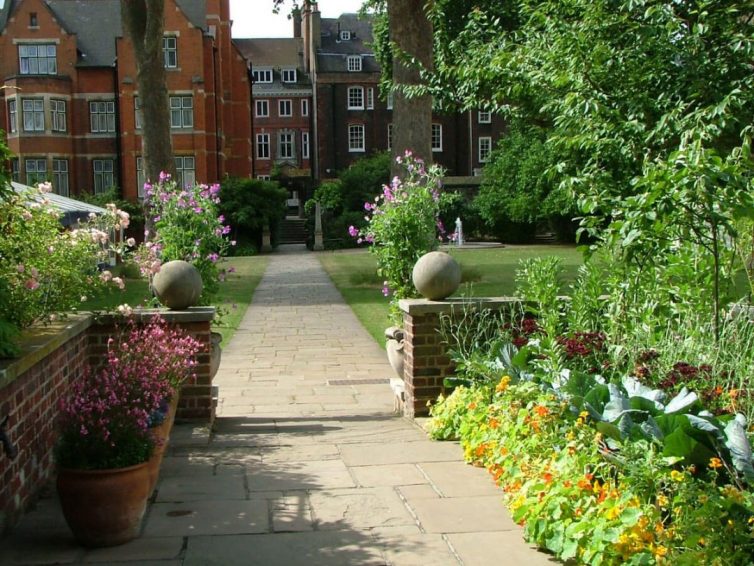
<point x="20" y="268"/>
<point x="106" y="276"/>
<point x="31" y="284"/>
<point x="119" y="283"/>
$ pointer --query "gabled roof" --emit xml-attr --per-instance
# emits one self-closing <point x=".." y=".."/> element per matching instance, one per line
<point x="273" y="52"/>
<point x="71" y="210"/>
<point x="5" y="12"/>
<point x="332" y="56"/>
<point x="96" y="25"/>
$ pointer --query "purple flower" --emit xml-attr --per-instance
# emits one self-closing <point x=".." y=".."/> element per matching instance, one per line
<point x="386" y="290"/>
<point x="353" y="231"/>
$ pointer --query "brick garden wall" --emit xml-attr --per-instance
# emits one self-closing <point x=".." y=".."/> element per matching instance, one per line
<point x="32" y="386"/>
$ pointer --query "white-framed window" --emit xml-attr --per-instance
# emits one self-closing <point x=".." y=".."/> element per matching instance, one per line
<point x="141" y="177"/>
<point x="263" y="146"/>
<point x="285" y="108"/>
<point x="354" y="63"/>
<point x="60" y="176"/>
<point x="262" y="108"/>
<point x="485" y="117"/>
<point x="304" y="145"/>
<point x="288" y="75"/>
<point x="261" y="75"/>
<point x="345" y="35"/>
<point x="286" y="149"/>
<point x="390" y="100"/>
<point x="263" y="177"/>
<point x="15" y="173"/>
<point x="185" y="169"/>
<point x="57" y="115"/>
<point x="356" y="137"/>
<point x="34" y="114"/>
<point x="370" y="98"/>
<point x="138" y="114"/>
<point x="102" y="116"/>
<point x="485" y="147"/>
<point x="36" y="170"/>
<point x="12" y="116"/>
<point x="104" y="174"/>
<point x="390" y="136"/>
<point x="304" y="106"/>
<point x="355" y="98"/>
<point x="170" y="51"/>
<point x="436" y="137"/>
<point x="181" y="111"/>
<point x="38" y="59"/>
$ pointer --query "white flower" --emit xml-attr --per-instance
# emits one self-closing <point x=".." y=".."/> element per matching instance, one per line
<point x="45" y="187"/>
<point x="125" y="310"/>
<point x="131" y="242"/>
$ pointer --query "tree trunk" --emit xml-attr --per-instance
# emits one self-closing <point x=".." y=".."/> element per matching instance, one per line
<point x="411" y="34"/>
<point x="144" y="24"/>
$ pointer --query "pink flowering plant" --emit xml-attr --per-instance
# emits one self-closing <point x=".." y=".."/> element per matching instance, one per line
<point x="187" y="226"/>
<point x="402" y="225"/>
<point x="105" y="421"/>
<point x="46" y="271"/>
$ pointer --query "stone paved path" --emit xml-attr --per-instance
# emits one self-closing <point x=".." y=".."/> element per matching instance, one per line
<point x="307" y="464"/>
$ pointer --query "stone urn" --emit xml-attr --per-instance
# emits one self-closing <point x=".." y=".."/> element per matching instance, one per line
<point x="178" y="285"/>
<point x="436" y="275"/>
<point x="394" y="346"/>
<point x="215" y="353"/>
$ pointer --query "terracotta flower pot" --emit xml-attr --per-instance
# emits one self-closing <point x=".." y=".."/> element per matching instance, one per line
<point x="104" y="507"/>
<point x="161" y="437"/>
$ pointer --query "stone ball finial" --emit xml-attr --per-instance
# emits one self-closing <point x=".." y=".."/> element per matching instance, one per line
<point x="436" y="275"/>
<point x="178" y="285"/>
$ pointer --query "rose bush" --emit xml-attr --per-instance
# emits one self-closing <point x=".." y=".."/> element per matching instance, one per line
<point x="46" y="271"/>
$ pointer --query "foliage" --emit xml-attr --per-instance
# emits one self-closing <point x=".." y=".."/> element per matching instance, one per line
<point x="516" y="187"/>
<point x="105" y="420"/>
<point x="582" y="505"/>
<point x="363" y="180"/>
<point x="5" y="155"/>
<point x="44" y="270"/>
<point x="250" y="205"/>
<point x="402" y="226"/>
<point x="187" y="226"/>
<point x="112" y="195"/>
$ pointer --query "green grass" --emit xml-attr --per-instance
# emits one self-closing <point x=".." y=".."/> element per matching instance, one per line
<point x="234" y="298"/>
<point x="486" y="273"/>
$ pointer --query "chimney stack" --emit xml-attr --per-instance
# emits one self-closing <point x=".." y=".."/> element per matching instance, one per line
<point x="297" y="23"/>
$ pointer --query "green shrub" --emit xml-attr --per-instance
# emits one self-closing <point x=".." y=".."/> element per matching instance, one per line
<point x="516" y="193"/>
<point x="249" y="205"/>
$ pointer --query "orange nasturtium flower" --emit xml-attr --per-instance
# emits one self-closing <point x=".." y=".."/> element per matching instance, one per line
<point x="504" y="383"/>
<point x="715" y="463"/>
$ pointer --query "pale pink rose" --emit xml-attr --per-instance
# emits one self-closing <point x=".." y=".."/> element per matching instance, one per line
<point x="131" y="242"/>
<point x="31" y="284"/>
<point x="106" y="276"/>
<point x="119" y="282"/>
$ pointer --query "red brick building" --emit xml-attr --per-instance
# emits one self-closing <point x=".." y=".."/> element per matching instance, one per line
<point x="350" y="118"/>
<point x="70" y="106"/>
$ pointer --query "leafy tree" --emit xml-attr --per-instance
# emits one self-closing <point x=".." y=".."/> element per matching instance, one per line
<point x="250" y="204"/>
<point x="516" y="194"/>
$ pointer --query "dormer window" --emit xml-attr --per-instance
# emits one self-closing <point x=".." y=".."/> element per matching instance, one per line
<point x="354" y="63"/>
<point x="345" y="35"/>
<point x="33" y="20"/>
<point x="262" y="75"/>
<point x="289" y="75"/>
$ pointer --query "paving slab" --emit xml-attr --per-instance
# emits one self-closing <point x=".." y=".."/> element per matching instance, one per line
<point x="486" y="549"/>
<point x="323" y="474"/>
<point x="389" y="475"/>
<point x="201" y="488"/>
<point x="192" y="518"/>
<point x="457" y="479"/>
<point x="359" y="508"/>
<point x="142" y="549"/>
<point x="462" y="514"/>
<point x="418" y="550"/>
<point x="324" y="548"/>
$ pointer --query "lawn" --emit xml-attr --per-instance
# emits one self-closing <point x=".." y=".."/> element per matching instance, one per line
<point x="486" y="273"/>
<point x="235" y="294"/>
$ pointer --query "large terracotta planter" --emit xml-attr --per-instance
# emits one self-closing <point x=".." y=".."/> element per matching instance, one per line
<point x="104" y="507"/>
<point x="161" y="437"/>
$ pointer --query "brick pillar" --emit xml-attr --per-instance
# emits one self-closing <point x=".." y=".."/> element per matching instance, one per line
<point x="426" y="358"/>
<point x="196" y="400"/>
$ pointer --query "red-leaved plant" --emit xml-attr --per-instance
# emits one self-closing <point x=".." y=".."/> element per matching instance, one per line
<point x="106" y="418"/>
